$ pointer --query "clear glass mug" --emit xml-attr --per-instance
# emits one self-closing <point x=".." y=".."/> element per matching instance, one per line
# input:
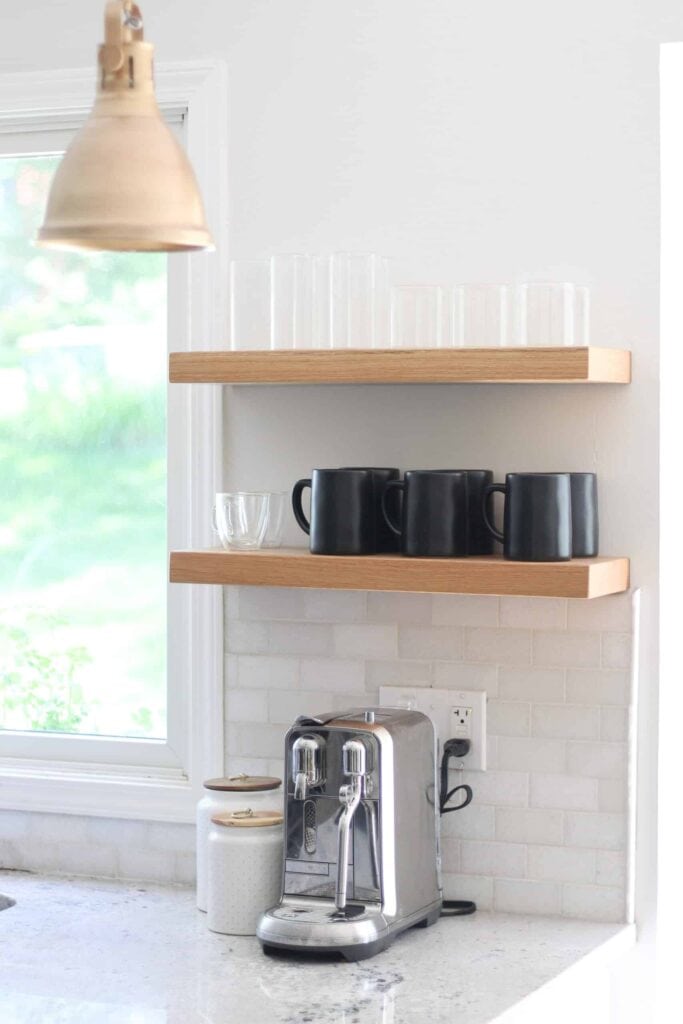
<point x="240" y="519"/>
<point x="278" y="502"/>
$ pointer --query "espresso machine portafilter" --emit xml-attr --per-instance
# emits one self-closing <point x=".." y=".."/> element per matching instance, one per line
<point x="361" y="858"/>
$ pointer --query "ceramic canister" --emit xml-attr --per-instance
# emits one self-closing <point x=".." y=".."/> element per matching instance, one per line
<point x="229" y="794"/>
<point x="244" y="869"/>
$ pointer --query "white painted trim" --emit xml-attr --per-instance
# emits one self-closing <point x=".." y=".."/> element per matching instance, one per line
<point x="198" y="318"/>
<point x="666" y="817"/>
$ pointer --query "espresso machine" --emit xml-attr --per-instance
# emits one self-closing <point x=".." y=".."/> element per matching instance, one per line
<point x="361" y="857"/>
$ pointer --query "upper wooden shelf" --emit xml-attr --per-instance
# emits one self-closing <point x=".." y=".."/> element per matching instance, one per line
<point x="296" y="567"/>
<point x="406" y="366"/>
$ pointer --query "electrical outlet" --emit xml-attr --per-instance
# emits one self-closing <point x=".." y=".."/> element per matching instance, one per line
<point x="456" y="714"/>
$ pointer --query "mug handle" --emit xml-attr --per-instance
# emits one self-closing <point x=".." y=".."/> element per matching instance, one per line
<point x="395" y="484"/>
<point x="489" y="490"/>
<point x="297" y="507"/>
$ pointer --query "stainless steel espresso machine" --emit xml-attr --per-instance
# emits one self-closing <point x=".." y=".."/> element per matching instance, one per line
<point x="361" y="858"/>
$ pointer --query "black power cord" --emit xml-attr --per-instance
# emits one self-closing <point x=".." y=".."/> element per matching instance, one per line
<point x="454" y="748"/>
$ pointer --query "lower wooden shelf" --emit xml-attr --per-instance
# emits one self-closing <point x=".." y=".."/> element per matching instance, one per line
<point x="296" y="567"/>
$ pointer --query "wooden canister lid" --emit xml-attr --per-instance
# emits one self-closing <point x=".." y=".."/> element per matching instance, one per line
<point x="243" y="783"/>
<point x="248" y="818"/>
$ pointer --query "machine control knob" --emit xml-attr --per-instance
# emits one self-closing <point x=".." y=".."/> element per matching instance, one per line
<point x="354" y="758"/>
<point x="369" y="716"/>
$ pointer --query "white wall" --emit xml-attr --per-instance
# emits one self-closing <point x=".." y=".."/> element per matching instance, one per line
<point x="467" y="141"/>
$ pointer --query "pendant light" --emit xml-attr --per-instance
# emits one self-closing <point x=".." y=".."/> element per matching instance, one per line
<point x="125" y="184"/>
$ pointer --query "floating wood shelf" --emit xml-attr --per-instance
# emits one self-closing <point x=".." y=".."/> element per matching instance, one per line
<point x="296" y="567"/>
<point x="406" y="366"/>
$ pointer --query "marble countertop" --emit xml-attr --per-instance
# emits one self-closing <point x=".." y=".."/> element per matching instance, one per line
<point x="78" y="951"/>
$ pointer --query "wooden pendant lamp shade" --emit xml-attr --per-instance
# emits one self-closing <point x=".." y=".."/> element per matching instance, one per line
<point x="125" y="184"/>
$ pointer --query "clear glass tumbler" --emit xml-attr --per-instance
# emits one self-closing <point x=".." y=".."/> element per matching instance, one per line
<point x="278" y="503"/>
<point x="359" y="300"/>
<point x="547" y="313"/>
<point x="321" y="326"/>
<point x="240" y="519"/>
<point x="291" y="301"/>
<point x="249" y="304"/>
<point x="417" y="316"/>
<point x="481" y="315"/>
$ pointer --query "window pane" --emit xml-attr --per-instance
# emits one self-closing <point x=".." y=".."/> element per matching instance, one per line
<point x="82" y="478"/>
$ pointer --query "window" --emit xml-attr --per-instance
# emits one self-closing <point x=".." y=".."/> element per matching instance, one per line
<point x="113" y="720"/>
<point x="83" y="499"/>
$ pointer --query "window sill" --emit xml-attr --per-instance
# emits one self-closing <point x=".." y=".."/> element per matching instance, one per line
<point x="104" y="791"/>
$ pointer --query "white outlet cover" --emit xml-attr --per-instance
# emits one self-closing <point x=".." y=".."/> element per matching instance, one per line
<point x="440" y="705"/>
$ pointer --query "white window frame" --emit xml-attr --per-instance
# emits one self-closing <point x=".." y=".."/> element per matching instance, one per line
<point x="151" y="779"/>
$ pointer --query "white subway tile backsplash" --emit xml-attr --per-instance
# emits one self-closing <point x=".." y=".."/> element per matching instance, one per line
<point x="144" y="864"/>
<point x="593" y="903"/>
<point x="565" y="792"/>
<point x="476" y="821"/>
<point x="526" y="896"/>
<point x="245" y="765"/>
<point x="284" y="707"/>
<point x="598" y="760"/>
<point x="562" y="648"/>
<point x="246" y="637"/>
<point x="540" y="685"/>
<point x="516" y="825"/>
<point x="499" y="860"/>
<point x="611" y="614"/>
<point x="399" y="673"/>
<point x="267" y="673"/>
<point x="505" y="646"/>
<point x="450" y="854"/>
<point x="469" y="887"/>
<point x="460" y="675"/>
<point x="612" y="795"/>
<point x="431" y="642"/>
<point x="531" y="754"/>
<point x="598" y="831"/>
<point x="598" y="686"/>
<point x="616" y="650"/>
<point x="561" y="864"/>
<point x="502" y="789"/>
<point x="460" y="610"/>
<point x="306" y="638"/>
<point x="614" y="724"/>
<point x="505" y="718"/>
<point x="262" y="604"/>
<point x="334" y="605"/>
<point x="565" y="721"/>
<point x="611" y="868"/>
<point x="171" y="836"/>
<point x="533" y="612"/>
<point x="366" y="641"/>
<point x="246" y="706"/>
<point x="333" y="675"/>
<point x="259" y="740"/>
<point x="409" y="609"/>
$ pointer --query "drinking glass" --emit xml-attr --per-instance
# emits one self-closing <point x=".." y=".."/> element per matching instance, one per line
<point x="249" y="304"/>
<point x="417" y="314"/>
<point x="240" y="519"/>
<point x="278" y="502"/>
<point x="582" y="316"/>
<point x="481" y="315"/>
<point x="547" y="313"/>
<point x="321" y="328"/>
<point x="359" y="300"/>
<point x="291" y="301"/>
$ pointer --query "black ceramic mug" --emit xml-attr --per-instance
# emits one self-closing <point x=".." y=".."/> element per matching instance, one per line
<point x="537" y="518"/>
<point x="585" y="532"/>
<point x="342" y="511"/>
<point x="433" y="522"/>
<point x="479" y="540"/>
<point x="385" y="539"/>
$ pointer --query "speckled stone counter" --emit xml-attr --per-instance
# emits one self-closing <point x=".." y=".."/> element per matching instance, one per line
<point x="96" y="952"/>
